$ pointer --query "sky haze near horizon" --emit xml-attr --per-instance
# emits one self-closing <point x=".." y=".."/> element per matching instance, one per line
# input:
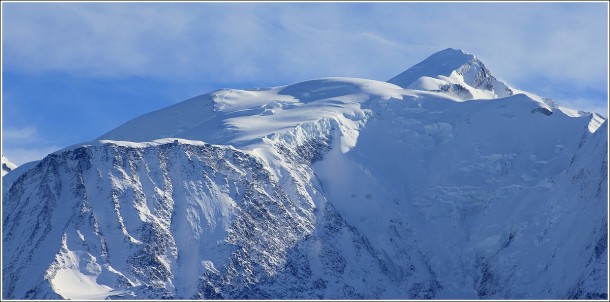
<point x="73" y="71"/>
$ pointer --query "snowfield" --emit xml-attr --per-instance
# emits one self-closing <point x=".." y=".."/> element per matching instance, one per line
<point x="442" y="183"/>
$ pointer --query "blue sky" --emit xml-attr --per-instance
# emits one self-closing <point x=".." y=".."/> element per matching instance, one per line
<point x="73" y="71"/>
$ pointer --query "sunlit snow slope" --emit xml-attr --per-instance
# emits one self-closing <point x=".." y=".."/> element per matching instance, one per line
<point x="334" y="188"/>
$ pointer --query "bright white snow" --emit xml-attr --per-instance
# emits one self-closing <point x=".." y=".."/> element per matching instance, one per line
<point x="75" y="274"/>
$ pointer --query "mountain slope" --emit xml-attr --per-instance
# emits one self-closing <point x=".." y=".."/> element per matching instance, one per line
<point x="333" y="188"/>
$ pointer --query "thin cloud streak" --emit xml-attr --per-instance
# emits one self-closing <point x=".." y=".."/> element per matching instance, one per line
<point x="246" y="42"/>
<point x="19" y="134"/>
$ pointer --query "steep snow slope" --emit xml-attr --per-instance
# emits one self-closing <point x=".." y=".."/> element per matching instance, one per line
<point x="334" y="188"/>
<point x="7" y="166"/>
<point x="473" y="186"/>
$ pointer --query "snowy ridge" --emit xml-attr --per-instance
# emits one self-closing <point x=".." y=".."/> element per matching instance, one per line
<point x="333" y="188"/>
<point x="238" y="117"/>
<point x="7" y="166"/>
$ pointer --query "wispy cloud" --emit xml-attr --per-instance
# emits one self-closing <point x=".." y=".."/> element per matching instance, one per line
<point x="19" y="134"/>
<point x="227" y="42"/>
<point x="245" y="42"/>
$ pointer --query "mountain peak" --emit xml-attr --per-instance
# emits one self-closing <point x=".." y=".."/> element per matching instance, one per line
<point x="453" y="54"/>
<point x="440" y="63"/>
<point x="454" y="72"/>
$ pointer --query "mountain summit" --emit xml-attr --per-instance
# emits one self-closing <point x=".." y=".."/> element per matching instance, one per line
<point x="453" y="71"/>
<point x="334" y="188"/>
<point x="442" y="63"/>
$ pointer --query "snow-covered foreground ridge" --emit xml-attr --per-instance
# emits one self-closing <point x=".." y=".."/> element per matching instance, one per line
<point x="443" y="183"/>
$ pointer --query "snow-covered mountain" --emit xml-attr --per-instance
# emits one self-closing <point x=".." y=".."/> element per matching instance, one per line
<point x="464" y="77"/>
<point x="7" y="166"/>
<point x="335" y="188"/>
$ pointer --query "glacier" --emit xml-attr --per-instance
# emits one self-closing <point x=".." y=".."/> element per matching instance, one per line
<point x="441" y="183"/>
